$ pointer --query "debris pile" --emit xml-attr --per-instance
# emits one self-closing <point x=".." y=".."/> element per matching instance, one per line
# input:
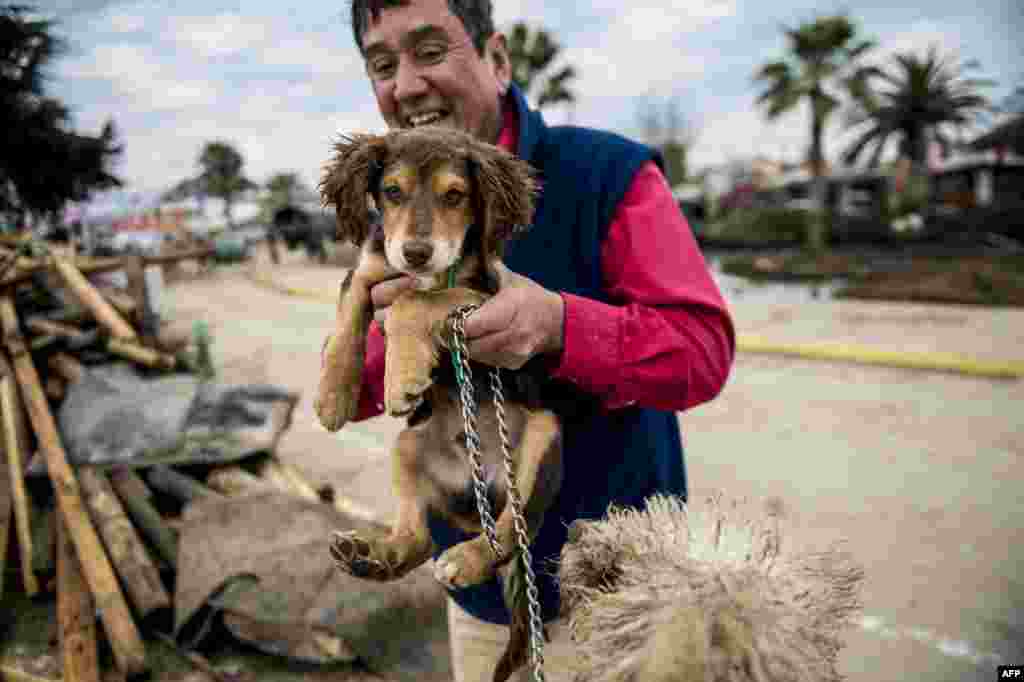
<point x="104" y="535"/>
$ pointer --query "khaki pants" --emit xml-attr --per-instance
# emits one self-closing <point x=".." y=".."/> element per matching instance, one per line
<point x="477" y="647"/>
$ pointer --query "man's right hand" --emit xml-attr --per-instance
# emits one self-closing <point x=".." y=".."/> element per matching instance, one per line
<point x="384" y="293"/>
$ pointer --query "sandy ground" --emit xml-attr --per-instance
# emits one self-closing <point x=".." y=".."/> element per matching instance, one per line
<point x="922" y="473"/>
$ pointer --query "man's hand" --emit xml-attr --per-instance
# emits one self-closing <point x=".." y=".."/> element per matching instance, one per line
<point x="384" y="293"/>
<point x="522" y="320"/>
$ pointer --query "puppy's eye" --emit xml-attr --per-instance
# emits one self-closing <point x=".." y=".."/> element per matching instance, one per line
<point x="392" y="193"/>
<point x="453" y="197"/>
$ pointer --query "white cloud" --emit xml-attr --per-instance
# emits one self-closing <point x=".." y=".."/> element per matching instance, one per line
<point x="125" y="23"/>
<point x="316" y="54"/>
<point x="745" y="134"/>
<point x="220" y="35"/>
<point x="144" y="80"/>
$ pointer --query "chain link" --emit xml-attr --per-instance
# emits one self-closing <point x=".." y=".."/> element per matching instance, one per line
<point x="464" y="377"/>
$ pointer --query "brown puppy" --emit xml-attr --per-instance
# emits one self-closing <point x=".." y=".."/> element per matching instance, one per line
<point x="445" y="200"/>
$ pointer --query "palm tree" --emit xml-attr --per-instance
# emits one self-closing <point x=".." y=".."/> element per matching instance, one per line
<point x="531" y="54"/>
<point x="285" y="188"/>
<point x="222" y="174"/>
<point x="820" y="64"/>
<point x="920" y="101"/>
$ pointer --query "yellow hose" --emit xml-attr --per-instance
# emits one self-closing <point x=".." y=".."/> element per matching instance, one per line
<point x="845" y="352"/>
<point x="834" y="352"/>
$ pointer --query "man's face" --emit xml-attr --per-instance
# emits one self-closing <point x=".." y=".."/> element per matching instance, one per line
<point x="425" y="70"/>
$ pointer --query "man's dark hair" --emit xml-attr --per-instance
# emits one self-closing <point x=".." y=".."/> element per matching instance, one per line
<point x="475" y="16"/>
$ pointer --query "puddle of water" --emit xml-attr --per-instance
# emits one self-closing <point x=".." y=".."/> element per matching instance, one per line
<point x="736" y="288"/>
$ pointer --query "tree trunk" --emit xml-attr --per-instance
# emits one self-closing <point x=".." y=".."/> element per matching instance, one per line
<point x="817" y="229"/>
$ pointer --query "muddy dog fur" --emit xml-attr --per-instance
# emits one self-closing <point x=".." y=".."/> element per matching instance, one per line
<point x="703" y="593"/>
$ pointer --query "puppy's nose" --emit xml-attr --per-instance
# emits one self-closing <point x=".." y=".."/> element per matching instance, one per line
<point x="417" y="253"/>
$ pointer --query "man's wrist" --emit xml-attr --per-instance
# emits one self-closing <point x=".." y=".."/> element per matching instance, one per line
<point x="556" y="327"/>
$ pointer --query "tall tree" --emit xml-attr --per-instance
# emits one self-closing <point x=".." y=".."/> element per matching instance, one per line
<point x="819" y="66"/>
<point x="221" y="176"/>
<point x="43" y="162"/>
<point x="286" y="188"/>
<point x="917" y="100"/>
<point x="532" y="54"/>
<point x="664" y="127"/>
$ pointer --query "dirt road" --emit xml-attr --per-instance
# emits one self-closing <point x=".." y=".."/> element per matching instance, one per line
<point x="922" y="473"/>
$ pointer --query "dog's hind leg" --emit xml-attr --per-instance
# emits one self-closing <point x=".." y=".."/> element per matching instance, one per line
<point x="391" y="555"/>
<point x="538" y="478"/>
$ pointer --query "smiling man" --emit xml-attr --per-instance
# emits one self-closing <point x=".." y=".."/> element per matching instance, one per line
<point x="607" y="287"/>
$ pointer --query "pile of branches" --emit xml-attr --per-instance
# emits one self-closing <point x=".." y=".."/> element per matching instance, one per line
<point x="105" y="540"/>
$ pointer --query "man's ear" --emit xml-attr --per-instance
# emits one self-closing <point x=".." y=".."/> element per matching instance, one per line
<point x="507" y="190"/>
<point x="353" y="172"/>
<point x="496" y="50"/>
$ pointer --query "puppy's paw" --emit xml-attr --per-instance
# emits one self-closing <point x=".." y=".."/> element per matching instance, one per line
<point x="405" y="397"/>
<point x="466" y="564"/>
<point x="334" y="410"/>
<point x="358" y="557"/>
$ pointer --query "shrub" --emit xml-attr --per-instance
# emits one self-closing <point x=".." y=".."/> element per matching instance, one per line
<point x="764" y="224"/>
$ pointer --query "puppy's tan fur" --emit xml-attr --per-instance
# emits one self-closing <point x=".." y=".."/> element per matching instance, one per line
<point x="444" y="198"/>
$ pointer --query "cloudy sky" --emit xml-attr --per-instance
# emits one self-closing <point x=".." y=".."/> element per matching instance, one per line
<point x="280" y="83"/>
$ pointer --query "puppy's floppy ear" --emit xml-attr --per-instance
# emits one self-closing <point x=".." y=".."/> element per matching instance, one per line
<point x="352" y="173"/>
<point x="507" y="189"/>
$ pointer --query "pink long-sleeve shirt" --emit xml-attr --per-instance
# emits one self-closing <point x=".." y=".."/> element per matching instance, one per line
<point x="666" y="340"/>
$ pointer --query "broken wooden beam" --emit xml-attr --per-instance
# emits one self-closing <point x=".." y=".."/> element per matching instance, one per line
<point x="129" y="555"/>
<point x="125" y="641"/>
<point x="147" y="357"/>
<point x="9" y="407"/>
<point x="137" y="500"/>
<point x="183" y="488"/>
<point x="92" y="299"/>
<point x="76" y="615"/>
<point x="70" y="332"/>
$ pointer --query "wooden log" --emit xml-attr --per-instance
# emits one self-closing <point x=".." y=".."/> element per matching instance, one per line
<point x="9" y="407"/>
<point x="137" y="500"/>
<point x="183" y="488"/>
<point x="135" y="270"/>
<point x="123" y="303"/>
<point x="89" y="297"/>
<point x="76" y="615"/>
<point x="125" y="641"/>
<point x="234" y="480"/>
<point x="198" y="253"/>
<point x="148" y="357"/>
<point x="30" y="267"/>
<point x="6" y="512"/>
<point x="41" y="325"/>
<point x="131" y="560"/>
<point x="67" y="367"/>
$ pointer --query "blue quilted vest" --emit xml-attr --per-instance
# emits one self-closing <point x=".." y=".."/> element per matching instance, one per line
<point x="621" y="457"/>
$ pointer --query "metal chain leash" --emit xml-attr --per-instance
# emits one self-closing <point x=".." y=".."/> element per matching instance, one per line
<point x="464" y="377"/>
